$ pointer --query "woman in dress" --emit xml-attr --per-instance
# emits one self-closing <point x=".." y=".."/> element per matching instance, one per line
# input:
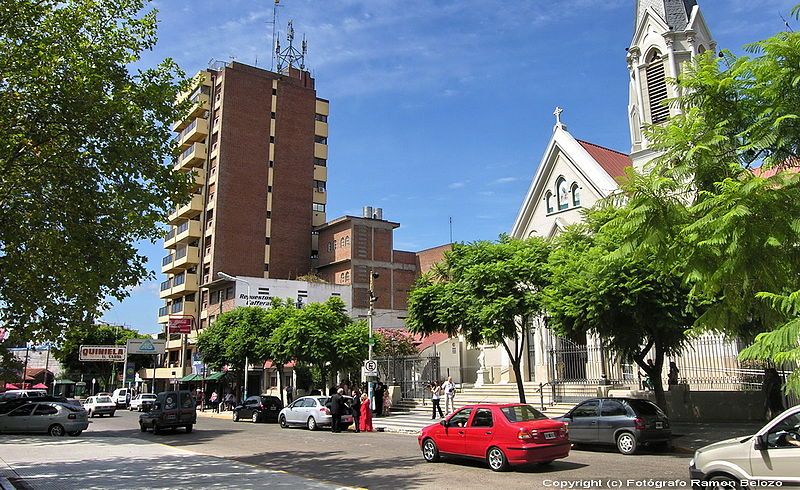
<point x="366" y="414"/>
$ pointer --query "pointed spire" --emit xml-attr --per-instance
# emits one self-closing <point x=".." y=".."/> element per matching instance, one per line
<point x="676" y="13"/>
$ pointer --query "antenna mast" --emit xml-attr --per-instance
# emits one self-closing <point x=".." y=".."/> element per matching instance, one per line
<point x="274" y="32"/>
<point x="291" y="57"/>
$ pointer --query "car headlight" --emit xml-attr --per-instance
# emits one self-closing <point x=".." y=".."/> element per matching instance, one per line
<point x="691" y="463"/>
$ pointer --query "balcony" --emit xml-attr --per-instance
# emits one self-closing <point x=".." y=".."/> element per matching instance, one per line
<point x="187" y="211"/>
<point x="199" y="177"/>
<point x="166" y="289"/>
<point x="188" y="231"/>
<point x="320" y="172"/>
<point x="193" y="133"/>
<point x="320" y="128"/>
<point x="166" y="263"/>
<point x="193" y="156"/>
<point x="185" y="257"/>
<point x="163" y="314"/>
<point x="183" y="308"/>
<point x="320" y="151"/>
<point x="169" y="239"/>
<point x="188" y="284"/>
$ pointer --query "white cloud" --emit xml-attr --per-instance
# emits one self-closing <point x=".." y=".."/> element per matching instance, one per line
<point x="505" y="180"/>
<point x="456" y="185"/>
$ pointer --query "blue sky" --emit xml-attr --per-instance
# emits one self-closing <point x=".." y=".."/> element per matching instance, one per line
<point x="439" y="108"/>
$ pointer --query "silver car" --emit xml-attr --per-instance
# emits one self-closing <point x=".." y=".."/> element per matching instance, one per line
<point x="52" y="418"/>
<point x="311" y="412"/>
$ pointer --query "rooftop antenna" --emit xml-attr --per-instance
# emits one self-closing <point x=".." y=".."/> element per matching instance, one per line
<point x="274" y="33"/>
<point x="290" y="56"/>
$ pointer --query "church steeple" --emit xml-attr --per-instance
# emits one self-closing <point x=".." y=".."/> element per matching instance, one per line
<point x="667" y="33"/>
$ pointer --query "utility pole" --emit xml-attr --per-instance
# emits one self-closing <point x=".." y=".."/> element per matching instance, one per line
<point x="370" y="313"/>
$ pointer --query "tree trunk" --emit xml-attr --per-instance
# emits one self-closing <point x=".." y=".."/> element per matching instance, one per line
<point x="515" y="365"/>
<point x="654" y="373"/>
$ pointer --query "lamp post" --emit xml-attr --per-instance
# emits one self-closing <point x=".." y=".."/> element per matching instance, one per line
<point x="370" y="313"/>
<point x="229" y="277"/>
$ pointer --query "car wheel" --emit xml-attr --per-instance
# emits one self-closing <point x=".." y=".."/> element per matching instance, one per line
<point x="496" y="459"/>
<point x="429" y="451"/>
<point x="724" y="481"/>
<point x="75" y="433"/>
<point x="56" y="430"/>
<point x="111" y="414"/>
<point x="189" y="428"/>
<point x="142" y="427"/>
<point x="311" y="423"/>
<point x="255" y="417"/>
<point x="235" y="416"/>
<point x="283" y="423"/>
<point x="156" y="429"/>
<point x="626" y="443"/>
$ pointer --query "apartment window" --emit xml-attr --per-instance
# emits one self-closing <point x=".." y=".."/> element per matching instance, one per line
<point x="342" y="243"/>
<point x="274" y="91"/>
<point x="314" y="233"/>
<point x="347" y="241"/>
<point x="272" y="114"/>
<point x="203" y="323"/>
<point x="330" y="249"/>
<point x="321" y="140"/>
<point x="267" y="240"/>
<point x="189" y="297"/>
<point x="321" y="117"/>
<point x="216" y="122"/>
<point x="319" y="185"/>
<point x="319" y="208"/>
<point x="214" y="297"/>
<point x="272" y="139"/>
<point x="321" y="162"/>
<point x="229" y="293"/>
<point x="266" y="267"/>
<point x="269" y="214"/>
<point x="314" y="256"/>
<point x="214" y="138"/>
<point x="269" y="188"/>
<point x="271" y="163"/>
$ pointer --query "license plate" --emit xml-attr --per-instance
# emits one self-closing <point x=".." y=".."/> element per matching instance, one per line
<point x="272" y="407"/>
<point x="170" y="417"/>
<point x="659" y="425"/>
<point x="549" y="435"/>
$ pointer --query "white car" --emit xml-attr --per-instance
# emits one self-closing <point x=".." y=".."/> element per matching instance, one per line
<point x="142" y="401"/>
<point x="771" y="455"/>
<point x="12" y="394"/>
<point x="312" y="412"/>
<point x="120" y="397"/>
<point x="100" y="405"/>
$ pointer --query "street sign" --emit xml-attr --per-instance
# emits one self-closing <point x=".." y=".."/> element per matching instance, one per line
<point x="180" y="325"/>
<point x="371" y="342"/>
<point x="114" y="353"/>
<point x="370" y="368"/>
<point x="146" y="346"/>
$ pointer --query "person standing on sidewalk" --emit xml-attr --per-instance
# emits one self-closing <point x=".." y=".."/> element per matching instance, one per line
<point x="378" y="393"/>
<point x="449" y="395"/>
<point x="355" y="407"/>
<point x="337" y="409"/>
<point x="365" y="424"/>
<point x="436" y="394"/>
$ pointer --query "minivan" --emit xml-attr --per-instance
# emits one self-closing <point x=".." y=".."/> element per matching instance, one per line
<point x="120" y="397"/>
<point x="171" y="409"/>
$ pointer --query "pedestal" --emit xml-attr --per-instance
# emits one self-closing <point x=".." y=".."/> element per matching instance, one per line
<point x="482" y="377"/>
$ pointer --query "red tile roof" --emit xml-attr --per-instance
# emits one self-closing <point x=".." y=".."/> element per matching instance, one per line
<point x="434" y="338"/>
<point x="612" y="161"/>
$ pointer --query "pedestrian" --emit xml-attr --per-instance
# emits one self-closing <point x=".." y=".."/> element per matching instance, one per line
<point x="337" y="410"/>
<point x="387" y="405"/>
<point x="229" y="401"/>
<point x="449" y="389"/>
<point x="773" y="393"/>
<point x="672" y="376"/>
<point x="214" y="401"/>
<point x="289" y="394"/>
<point x="378" y="393"/>
<point x="355" y="407"/>
<point x="366" y="415"/>
<point x="436" y="394"/>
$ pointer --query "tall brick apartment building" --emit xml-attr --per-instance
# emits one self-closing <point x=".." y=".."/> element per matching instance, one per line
<point x="256" y="143"/>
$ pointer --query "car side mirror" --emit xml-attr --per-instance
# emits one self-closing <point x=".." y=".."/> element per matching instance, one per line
<point x="444" y="423"/>
<point x="760" y="442"/>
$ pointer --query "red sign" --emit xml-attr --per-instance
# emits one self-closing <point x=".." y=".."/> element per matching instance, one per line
<point x="180" y="325"/>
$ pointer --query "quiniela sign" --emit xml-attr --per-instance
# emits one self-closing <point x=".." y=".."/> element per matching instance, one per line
<point x="103" y="353"/>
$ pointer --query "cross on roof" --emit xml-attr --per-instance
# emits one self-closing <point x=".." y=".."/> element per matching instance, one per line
<point x="557" y="113"/>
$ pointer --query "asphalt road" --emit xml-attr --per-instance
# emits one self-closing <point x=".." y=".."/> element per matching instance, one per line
<point x="388" y="460"/>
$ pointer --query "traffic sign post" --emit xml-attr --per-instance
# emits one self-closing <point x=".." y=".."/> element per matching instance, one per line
<point x="370" y="368"/>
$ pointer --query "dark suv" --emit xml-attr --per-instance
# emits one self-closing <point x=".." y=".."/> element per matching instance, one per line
<point x="624" y="422"/>
<point x="171" y="409"/>
<point x="258" y="408"/>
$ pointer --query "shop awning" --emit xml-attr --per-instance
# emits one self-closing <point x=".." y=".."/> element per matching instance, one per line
<point x="215" y="377"/>
<point x="190" y="377"/>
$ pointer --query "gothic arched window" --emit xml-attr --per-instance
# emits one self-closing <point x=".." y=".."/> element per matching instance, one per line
<point x="656" y="87"/>
<point x="563" y="193"/>
<point x="549" y="199"/>
<point x="576" y="194"/>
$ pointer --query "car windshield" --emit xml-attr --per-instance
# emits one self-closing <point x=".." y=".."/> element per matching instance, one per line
<point x="522" y="413"/>
<point x="148" y="397"/>
<point x="644" y="407"/>
<point x="103" y="399"/>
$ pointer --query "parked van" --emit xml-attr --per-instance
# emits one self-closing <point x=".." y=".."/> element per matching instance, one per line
<point x="12" y="394"/>
<point x="120" y="397"/>
<point x="770" y="457"/>
<point x="171" y="409"/>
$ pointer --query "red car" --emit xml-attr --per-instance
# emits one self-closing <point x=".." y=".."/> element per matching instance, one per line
<point x="503" y="435"/>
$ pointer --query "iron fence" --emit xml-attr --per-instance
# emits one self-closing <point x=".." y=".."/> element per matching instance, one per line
<point x="412" y="374"/>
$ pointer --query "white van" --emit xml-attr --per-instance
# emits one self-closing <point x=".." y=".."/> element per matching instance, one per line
<point x="12" y="394"/>
<point x="771" y="455"/>
<point x="120" y="397"/>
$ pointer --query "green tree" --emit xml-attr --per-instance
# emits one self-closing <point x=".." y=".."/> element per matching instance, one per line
<point x="236" y="336"/>
<point x="490" y="292"/>
<point x="631" y="304"/>
<point x="67" y="351"/>
<point x="732" y="231"/>
<point x="394" y="343"/>
<point x="85" y="150"/>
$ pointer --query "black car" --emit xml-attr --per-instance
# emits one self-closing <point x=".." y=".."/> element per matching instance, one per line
<point x="258" y="408"/>
<point x="626" y="423"/>
<point x="171" y="409"/>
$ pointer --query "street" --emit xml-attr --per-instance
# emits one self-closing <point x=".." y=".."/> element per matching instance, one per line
<point x="221" y="453"/>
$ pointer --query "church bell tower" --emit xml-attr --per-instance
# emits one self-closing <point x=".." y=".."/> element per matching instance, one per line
<point x="667" y="33"/>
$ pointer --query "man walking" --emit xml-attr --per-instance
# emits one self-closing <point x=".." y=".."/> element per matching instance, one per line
<point x="355" y="407"/>
<point x="449" y="389"/>
<point x="378" y="393"/>
<point x="337" y="410"/>
<point x="288" y="394"/>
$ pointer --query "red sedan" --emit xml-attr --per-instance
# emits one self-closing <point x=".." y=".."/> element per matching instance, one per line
<point x="503" y="435"/>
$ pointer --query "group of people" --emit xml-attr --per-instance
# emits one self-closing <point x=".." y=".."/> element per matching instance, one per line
<point x="446" y="389"/>
<point x="217" y="403"/>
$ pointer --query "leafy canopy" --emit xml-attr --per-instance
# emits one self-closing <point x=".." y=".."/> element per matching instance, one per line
<point x="85" y="148"/>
